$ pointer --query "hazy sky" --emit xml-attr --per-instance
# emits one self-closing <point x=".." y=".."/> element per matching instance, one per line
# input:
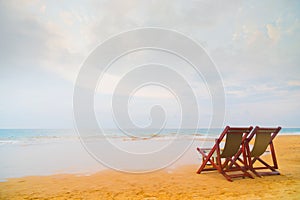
<point x="255" y="45"/>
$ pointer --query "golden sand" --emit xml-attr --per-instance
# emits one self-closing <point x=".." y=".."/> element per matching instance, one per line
<point x="183" y="183"/>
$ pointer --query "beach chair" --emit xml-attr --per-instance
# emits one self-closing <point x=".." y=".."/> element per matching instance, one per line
<point x="230" y="154"/>
<point x="263" y="138"/>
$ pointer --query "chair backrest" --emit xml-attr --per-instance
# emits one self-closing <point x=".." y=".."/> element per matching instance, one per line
<point x="234" y="139"/>
<point x="263" y="138"/>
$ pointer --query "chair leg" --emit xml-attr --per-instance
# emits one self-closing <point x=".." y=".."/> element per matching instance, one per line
<point x="206" y="159"/>
<point x="244" y="170"/>
<point x="226" y="176"/>
<point x="202" y="166"/>
<point x="273" y="155"/>
<point x="267" y="166"/>
<point x="255" y="172"/>
<point x="251" y="168"/>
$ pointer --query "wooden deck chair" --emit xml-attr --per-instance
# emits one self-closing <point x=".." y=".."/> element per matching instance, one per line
<point x="235" y="138"/>
<point x="263" y="138"/>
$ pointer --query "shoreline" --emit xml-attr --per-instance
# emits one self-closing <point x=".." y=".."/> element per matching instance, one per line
<point x="179" y="183"/>
<point x="71" y="157"/>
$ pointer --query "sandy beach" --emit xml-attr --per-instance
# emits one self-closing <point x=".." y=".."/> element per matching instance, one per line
<point x="181" y="183"/>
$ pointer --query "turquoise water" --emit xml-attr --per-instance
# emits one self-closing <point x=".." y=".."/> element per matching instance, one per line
<point x="8" y="136"/>
<point x="36" y="135"/>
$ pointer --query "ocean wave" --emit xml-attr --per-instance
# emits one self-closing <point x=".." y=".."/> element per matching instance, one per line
<point x="4" y="142"/>
<point x="31" y="137"/>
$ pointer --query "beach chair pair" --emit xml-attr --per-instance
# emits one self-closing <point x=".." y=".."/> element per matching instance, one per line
<point x="236" y="159"/>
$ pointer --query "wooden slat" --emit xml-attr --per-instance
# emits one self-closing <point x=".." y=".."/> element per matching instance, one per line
<point x="268" y="173"/>
<point x="266" y="131"/>
<point x="237" y="175"/>
<point x="261" y="167"/>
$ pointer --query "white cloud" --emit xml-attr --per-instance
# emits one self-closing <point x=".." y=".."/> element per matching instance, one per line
<point x="294" y="83"/>
<point x="255" y="51"/>
<point x="43" y="9"/>
<point x="273" y="32"/>
<point x="67" y="17"/>
<point x="293" y="27"/>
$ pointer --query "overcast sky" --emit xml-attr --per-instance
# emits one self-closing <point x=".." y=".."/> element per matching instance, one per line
<point x="254" y="44"/>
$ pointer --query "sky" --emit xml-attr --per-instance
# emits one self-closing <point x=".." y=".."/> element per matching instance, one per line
<point x="254" y="44"/>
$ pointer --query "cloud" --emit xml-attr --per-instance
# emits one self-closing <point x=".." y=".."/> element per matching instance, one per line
<point x="43" y="8"/>
<point x="23" y="37"/>
<point x="112" y="17"/>
<point x="294" y="27"/>
<point x="67" y="17"/>
<point x="255" y="45"/>
<point x="43" y="38"/>
<point x="294" y="83"/>
<point x="273" y="32"/>
<point x="60" y="39"/>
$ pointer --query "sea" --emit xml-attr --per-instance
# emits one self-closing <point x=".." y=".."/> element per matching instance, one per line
<point x="40" y="152"/>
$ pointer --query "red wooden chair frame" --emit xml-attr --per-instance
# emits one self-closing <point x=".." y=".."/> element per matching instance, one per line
<point x="271" y="133"/>
<point x="231" y="153"/>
